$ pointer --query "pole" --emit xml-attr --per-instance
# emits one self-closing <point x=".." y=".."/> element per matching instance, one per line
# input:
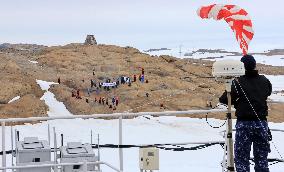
<point x="62" y="139"/>
<point x="18" y="135"/>
<point x="229" y="137"/>
<point x="91" y="137"/>
<point x="120" y="143"/>
<point x="12" y="145"/>
<point x="3" y="146"/>
<point x="48" y="133"/>
<point x="224" y="162"/>
<point x="62" y="142"/>
<point x="16" y="143"/>
<point x="55" y="150"/>
<point x="99" y="154"/>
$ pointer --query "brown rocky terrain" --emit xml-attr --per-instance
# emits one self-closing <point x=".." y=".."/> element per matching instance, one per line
<point x="16" y="82"/>
<point x="178" y="84"/>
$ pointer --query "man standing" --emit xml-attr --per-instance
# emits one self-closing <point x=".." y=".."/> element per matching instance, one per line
<point x="249" y="94"/>
<point x="113" y="100"/>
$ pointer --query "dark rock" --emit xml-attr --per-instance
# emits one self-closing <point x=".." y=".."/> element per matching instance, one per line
<point x="90" y="40"/>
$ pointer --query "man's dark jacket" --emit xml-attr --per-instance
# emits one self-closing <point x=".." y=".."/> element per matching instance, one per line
<point x="257" y="88"/>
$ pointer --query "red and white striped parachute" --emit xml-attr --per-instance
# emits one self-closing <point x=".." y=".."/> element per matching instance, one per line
<point x="237" y="18"/>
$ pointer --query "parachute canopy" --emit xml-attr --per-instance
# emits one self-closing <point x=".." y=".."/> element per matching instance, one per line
<point x="237" y="18"/>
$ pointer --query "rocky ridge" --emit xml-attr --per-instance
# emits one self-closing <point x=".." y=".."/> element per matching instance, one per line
<point x="178" y="84"/>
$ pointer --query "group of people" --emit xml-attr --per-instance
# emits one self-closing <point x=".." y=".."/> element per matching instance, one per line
<point x="107" y="85"/>
<point x="112" y="84"/>
<point x="141" y="78"/>
<point x="76" y="94"/>
<point x="105" y="101"/>
<point x="100" y="100"/>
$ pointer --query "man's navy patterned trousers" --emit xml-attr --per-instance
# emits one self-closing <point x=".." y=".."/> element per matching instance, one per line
<point x="250" y="133"/>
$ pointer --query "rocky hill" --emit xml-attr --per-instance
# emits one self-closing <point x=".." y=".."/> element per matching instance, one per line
<point x="173" y="84"/>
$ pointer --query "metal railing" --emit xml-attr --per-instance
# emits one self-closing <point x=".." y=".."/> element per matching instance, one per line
<point x="120" y="116"/>
<point x="84" y="166"/>
<point x="115" y="115"/>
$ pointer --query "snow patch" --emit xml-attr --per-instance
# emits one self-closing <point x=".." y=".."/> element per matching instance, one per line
<point x="277" y="85"/>
<point x="200" y="55"/>
<point x="34" y="62"/>
<point x="56" y="108"/>
<point x="44" y="85"/>
<point x="278" y="97"/>
<point x="14" y="99"/>
<point x="277" y="82"/>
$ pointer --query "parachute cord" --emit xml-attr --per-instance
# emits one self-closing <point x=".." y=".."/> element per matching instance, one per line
<point x="259" y="119"/>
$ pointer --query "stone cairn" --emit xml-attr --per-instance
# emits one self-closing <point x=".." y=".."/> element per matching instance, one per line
<point x="90" y="40"/>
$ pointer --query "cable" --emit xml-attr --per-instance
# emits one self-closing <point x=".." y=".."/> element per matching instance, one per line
<point x="175" y="147"/>
<point x="257" y="116"/>
<point x="215" y="127"/>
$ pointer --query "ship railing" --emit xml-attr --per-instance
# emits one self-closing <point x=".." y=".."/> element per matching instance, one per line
<point x="120" y="116"/>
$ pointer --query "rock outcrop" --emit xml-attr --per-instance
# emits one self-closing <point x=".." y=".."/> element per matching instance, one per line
<point x="90" y="40"/>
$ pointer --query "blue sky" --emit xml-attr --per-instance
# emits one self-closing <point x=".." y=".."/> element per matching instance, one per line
<point x="138" y="23"/>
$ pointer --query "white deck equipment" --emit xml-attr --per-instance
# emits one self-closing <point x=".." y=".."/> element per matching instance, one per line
<point x="78" y="152"/>
<point x="32" y="151"/>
